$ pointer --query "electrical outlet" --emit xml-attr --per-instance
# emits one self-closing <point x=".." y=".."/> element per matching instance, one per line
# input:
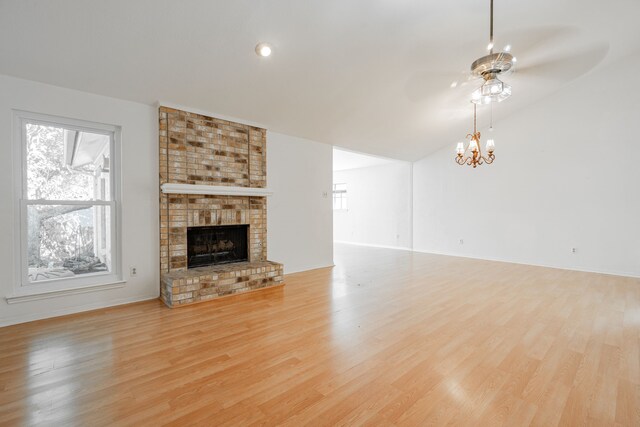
<point x="325" y="194"/>
<point x="574" y="250"/>
<point x="462" y="241"/>
<point x="133" y="271"/>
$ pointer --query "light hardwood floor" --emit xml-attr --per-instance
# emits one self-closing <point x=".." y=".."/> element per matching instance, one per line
<point x="385" y="338"/>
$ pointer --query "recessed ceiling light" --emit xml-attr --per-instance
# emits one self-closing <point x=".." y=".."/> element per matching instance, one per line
<point x="263" y="49"/>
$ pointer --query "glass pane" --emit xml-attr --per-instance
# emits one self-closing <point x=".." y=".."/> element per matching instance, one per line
<point x="64" y="164"/>
<point x="339" y="201"/>
<point x="64" y="241"/>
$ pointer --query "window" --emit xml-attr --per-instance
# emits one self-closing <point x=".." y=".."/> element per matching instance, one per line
<point x="68" y="202"/>
<point x="339" y="197"/>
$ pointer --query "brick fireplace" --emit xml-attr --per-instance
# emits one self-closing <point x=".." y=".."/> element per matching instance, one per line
<point x="207" y="165"/>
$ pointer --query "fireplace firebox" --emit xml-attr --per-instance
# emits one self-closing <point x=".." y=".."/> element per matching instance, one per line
<point x="214" y="245"/>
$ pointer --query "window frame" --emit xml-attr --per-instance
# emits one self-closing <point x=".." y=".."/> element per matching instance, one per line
<point x="343" y="197"/>
<point x="22" y="285"/>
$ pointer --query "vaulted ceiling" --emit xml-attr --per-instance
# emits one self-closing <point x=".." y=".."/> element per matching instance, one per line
<point x="370" y="75"/>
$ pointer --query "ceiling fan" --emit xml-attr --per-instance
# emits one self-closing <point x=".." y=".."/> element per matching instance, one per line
<point x="548" y="57"/>
<point x="489" y="68"/>
<point x="545" y="59"/>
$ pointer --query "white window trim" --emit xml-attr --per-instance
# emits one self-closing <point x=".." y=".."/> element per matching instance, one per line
<point x="97" y="281"/>
<point x="343" y="195"/>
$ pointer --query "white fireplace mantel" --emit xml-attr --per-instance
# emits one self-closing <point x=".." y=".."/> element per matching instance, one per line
<point x="214" y="190"/>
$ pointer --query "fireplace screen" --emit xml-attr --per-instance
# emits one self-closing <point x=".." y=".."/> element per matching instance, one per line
<point x="216" y="245"/>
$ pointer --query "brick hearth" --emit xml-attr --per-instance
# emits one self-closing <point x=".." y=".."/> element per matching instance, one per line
<point x="205" y="283"/>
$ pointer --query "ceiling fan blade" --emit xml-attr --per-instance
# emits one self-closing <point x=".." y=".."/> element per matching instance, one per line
<point x="564" y="68"/>
<point x="532" y="42"/>
<point x="425" y="85"/>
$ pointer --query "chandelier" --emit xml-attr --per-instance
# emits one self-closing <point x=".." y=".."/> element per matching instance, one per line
<point x="475" y="156"/>
<point x="489" y="67"/>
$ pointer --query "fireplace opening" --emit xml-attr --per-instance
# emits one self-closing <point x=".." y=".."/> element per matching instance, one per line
<point x="221" y="244"/>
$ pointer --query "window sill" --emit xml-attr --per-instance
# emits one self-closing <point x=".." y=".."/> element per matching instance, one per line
<point x="35" y="296"/>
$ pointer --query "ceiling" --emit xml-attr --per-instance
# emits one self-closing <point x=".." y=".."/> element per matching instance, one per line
<point x="345" y="160"/>
<point x="370" y="75"/>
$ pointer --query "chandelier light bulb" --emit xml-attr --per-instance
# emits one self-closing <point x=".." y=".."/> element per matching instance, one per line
<point x="491" y="145"/>
<point x="473" y="145"/>
<point x="507" y="48"/>
<point x="460" y="148"/>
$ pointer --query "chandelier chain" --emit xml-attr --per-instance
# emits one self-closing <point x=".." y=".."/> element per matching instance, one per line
<point x="491" y="116"/>
<point x="474" y="120"/>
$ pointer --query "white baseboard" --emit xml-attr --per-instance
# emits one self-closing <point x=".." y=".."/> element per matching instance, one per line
<point x="557" y="267"/>
<point x="13" y="299"/>
<point x="320" y="267"/>
<point x="401" y="248"/>
<point x="14" y="320"/>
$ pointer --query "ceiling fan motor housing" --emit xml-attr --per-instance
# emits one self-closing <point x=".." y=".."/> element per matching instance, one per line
<point x="492" y="65"/>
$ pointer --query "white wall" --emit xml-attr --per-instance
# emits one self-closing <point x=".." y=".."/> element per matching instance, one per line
<point x="299" y="223"/>
<point x="379" y="206"/>
<point x="566" y="175"/>
<point x="139" y="196"/>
